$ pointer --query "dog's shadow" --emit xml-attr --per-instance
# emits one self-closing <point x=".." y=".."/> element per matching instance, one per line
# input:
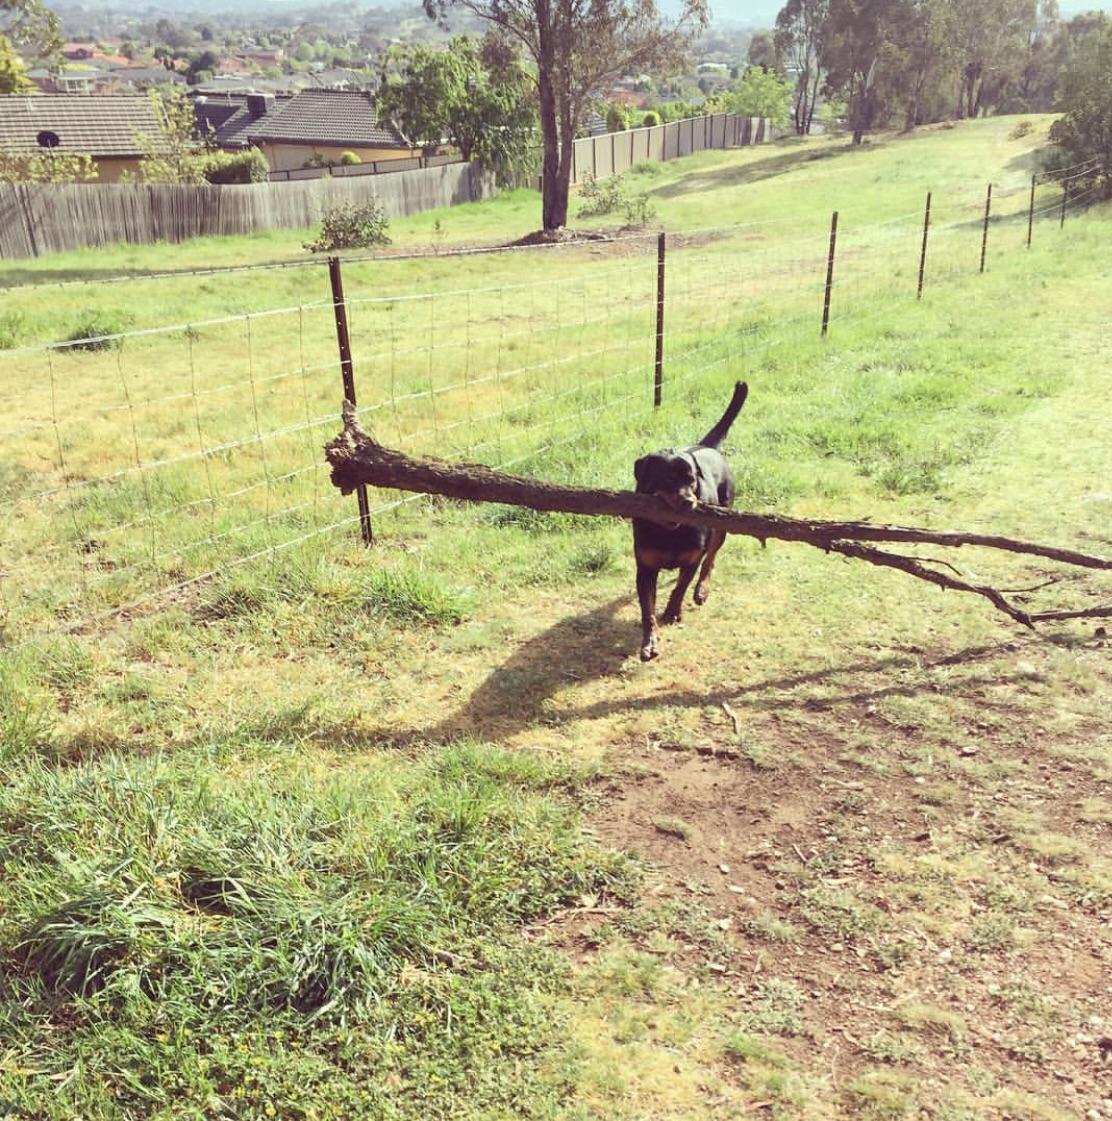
<point x="514" y="696"/>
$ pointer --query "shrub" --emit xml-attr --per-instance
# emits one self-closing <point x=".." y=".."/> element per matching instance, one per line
<point x="646" y="167"/>
<point x="350" y="159"/>
<point x="1021" y="129"/>
<point x="602" y="198"/>
<point x="616" y="118"/>
<point x="651" y="120"/>
<point x="639" y="211"/>
<point x="351" y="226"/>
<point x="95" y="331"/>
<point x="11" y="329"/>
<point x="236" y="167"/>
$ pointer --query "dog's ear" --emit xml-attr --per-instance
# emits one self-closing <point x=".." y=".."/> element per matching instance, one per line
<point x="639" y="468"/>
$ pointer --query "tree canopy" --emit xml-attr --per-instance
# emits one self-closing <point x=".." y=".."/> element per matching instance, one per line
<point x="475" y="95"/>
<point x="1084" y="133"/>
<point x="13" y="76"/>
<point x="907" y="62"/>
<point x="579" y="48"/>
<point x="30" y="25"/>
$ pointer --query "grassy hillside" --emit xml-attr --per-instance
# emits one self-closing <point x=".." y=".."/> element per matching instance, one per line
<point x="413" y="834"/>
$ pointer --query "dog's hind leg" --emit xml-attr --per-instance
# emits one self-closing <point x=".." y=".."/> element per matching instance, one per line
<point x="702" y="589"/>
<point x="646" y="594"/>
<point x="674" y="611"/>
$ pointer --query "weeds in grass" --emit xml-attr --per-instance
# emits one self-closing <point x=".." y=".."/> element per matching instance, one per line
<point x="775" y="1008"/>
<point x="772" y="928"/>
<point x="95" y="332"/>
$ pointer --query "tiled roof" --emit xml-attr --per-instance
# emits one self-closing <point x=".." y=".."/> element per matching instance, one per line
<point x="224" y="117"/>
<point x="336" y="117"/>
<point x="99" y="125"/>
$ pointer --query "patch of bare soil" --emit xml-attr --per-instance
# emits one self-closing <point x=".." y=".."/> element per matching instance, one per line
<point x="939" y="920"/>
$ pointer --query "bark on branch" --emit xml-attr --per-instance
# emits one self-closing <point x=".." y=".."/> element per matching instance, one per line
<point x="357" y="458"/>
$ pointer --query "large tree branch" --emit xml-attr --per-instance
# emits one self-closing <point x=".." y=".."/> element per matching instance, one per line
<point x="358" y="459"/>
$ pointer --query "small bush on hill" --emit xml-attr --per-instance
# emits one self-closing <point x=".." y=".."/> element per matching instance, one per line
<point x="351" y="226"/>
<point x="610" y="196"/>
<point x="1021" y="129"/>
<point x="601" y="198"/>
<point x="236" y="167"/>
<point x="95" y="331"/>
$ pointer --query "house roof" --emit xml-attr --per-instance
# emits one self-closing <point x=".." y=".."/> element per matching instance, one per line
<point x="336" y="117"/>
<point x="148" y="75"/>
<point x="99" y="125"/>
<point x="225" y="118"/>
<point x="87" y="73"/>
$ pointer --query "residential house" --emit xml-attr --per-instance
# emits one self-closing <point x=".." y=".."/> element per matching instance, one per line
<point x="320" y="125"/>
<point x="224" y="117"/>
<point x="145" y="78"/>
<point x="104" y="126"/>
<point x="71" y="79"/>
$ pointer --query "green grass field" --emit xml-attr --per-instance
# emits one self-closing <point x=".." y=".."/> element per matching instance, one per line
<point x="411" y="833"/>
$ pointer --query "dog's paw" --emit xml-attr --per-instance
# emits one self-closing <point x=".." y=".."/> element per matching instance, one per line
<point x="649" y="652"/>
<point x="702" y="594"/>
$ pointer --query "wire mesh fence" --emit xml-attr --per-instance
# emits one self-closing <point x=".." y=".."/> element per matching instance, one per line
<point x="140" y="463"/>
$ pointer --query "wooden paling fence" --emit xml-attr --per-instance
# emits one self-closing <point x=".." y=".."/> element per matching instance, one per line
<point x="36" y="219"/>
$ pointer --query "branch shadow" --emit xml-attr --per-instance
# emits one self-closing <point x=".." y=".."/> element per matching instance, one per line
<point x="776" y="694"/>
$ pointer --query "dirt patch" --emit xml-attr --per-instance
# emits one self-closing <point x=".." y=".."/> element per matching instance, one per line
<point x="941" y="922"/>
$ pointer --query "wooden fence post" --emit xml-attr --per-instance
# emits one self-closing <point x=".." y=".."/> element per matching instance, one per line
<point x="984" y="235"/>
<point x="1065" y="201"/>
<point x="1031" y="210"/>
<point x="658" y="373"/>
<point x="347" y="371"/>
<point x="830" y="274"/>
<point x="923" y="253"/>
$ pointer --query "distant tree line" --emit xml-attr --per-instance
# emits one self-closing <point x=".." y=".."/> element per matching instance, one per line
<point x="903" y="63"/>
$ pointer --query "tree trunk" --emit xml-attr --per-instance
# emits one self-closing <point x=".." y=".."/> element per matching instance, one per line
<point x="811" y="103"/>
<point x="563" y="171"/>
<point x="553" y="215"/>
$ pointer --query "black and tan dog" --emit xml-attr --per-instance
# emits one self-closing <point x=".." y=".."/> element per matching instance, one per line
<point x="683" y="478"/>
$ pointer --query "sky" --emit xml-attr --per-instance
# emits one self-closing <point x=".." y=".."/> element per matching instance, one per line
<point x="762" y="13"/>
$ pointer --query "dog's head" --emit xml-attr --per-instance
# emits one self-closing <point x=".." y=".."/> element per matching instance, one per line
<point x="670" y="476"/>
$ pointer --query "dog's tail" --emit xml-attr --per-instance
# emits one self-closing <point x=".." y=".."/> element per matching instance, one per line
<point x="714" y="438"/>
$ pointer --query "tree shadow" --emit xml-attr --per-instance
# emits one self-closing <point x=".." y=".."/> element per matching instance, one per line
<point x="740" y="175"/>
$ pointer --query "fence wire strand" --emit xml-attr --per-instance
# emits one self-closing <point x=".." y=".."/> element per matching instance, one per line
<point x="199" y="466"/>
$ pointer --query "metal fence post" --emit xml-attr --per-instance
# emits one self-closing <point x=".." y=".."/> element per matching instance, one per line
<point x="923" y="252"/>
<point x="830" y="273"/>
<point x="984" y="234"/>
<point x="658" y="373"/>
<point x="348" y="372"/>
<point x="1031" y="210"/>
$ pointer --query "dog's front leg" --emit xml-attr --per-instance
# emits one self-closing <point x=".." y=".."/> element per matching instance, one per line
<point x="673" y="613"/>
<point x="646" y="594"/>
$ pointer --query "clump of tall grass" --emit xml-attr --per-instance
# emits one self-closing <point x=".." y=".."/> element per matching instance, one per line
<point x="295" y="907"/>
